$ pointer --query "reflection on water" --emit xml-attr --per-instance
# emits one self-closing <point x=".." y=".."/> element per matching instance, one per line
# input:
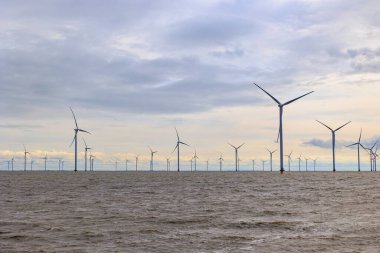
<point x="189" y="212"/>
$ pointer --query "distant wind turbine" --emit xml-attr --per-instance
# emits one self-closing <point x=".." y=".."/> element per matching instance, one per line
<point x="167" y="163"/>
<point x="13" y="160"/>
<point x="371" y="156"/>
<point x="271" y="158"/>
<point x="91" y="156"/>
<point x="76" y="130"/>
<point x="25" y="153"/>
<point x="263" y="165"/>
<point x="126" y="164"/>
<point x="151" y="158"/>
<point x="220" y="162"/>
<point x="315" y="161"/>
<point x="333" y="139"/>
<point x="137" y="160"/>
<point x="289" y="159"/>
<point x="299" y="163"/>
<point x="280" y="106"/>
<point x="86" y="148"/>
<point x="31" y="165"/>
<point x="306" y="159"/>
<point x="253" y="164"/>
<point x="45" y="158"/>
<point x="358" y="144"/>
<point x="236" y="154"/>
<point x="177" y="147"/>
<point x="195" y="157"/>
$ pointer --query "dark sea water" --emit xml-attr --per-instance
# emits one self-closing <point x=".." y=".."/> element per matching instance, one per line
<point x="189" y="212"/>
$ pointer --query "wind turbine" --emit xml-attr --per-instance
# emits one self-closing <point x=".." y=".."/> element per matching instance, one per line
<point x="236" y="154"/>
<point x="45" y="158"/>
<point x="371" y="155"/>
<point x="358" y="144"/>
<point x="92" y="163"/>
<point x="126" y="164"/>
<point x="76" y="130"/>
<point x="151" y="158"/>
<point x="239" y="160"/>
<point x="91" y="156"/>
<point x="195" y="160"/>
<point x="280" y="106"/>
<point x="306" y="159"/>
<point x="59" y="164"/>
<point x="31" y="165"/>
<point x="167" y="163"/>
<point x="13" y="160"/>
<point x="315" y="161"/>
<point x="177" y="147"/>
<point x="85" y="154"/>
<point x="191" y="164"/>
<point x="271" y="157"/>
<point x="299" y="163"/>
<point x="263" y="165"/>
<point x="220" y="162"/>
<point x="289" y="159"/>
<point x="62" y="165"/>
<point x="253" y="164"/>
<point x="137" y="160"/>
<point x="25" y="153"/>
<point x="333" y="139"/>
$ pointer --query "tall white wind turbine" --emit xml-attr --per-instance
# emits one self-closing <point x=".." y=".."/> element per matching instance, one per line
<point x="76" y="130"/>
<point x="358" y="144"/>
<point x="86" y="148"/>
<point x="179" y="142"/>
<point x="151" y="158"/>
<point x="281" y="107"/>
<point x="271" y="158"/>
<point x="236" y="154"/>
<point x="333" y="139"/>
<point x="25" y="153"/>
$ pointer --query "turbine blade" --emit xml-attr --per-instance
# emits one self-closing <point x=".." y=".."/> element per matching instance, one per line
<point x="342" y="126"/>
<point x="176" y="146"/>
<point x="72" y="141"/>
<point x="76" y="124"/>
<point x="353" y="144"/>
<point x="176" y="133"/>
<point x="240" y="146"/>
<point x="373" y="145"/>
<point x="278" y="102"/>
<point x="324" y="125"/>
<point x="84" y="131"/>
<point x="291" y="101"/>
<point x="184" y="143"/>
<point x="360" y="136"/>
<point x="231" y="145"/>
<point x="85" y="144"/>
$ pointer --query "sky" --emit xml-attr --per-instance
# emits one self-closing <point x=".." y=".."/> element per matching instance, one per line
<point x="134" y="70"/>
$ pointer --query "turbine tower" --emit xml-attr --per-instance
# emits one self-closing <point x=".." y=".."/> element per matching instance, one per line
<point x="271" y="158"/>
<point x="220" y="162"/>
<point x="236" y="154"/>
<point x="167" y="163"/>
<point x="177" y="147"/>
<point x="253" y="164"/>
<point x="263" y="165"/>
<point x="126" y="164"/>
<point x="195" y="157"/>
<point x="151" y="158"/>
<point x="306" y="159"/>
<point x="91" y="156"/>
<point x="333" y="139"/>
<point x="13" y="160"/>
<point x="76" y="130"/>
<point x="371" y="156"/>
<point x="314" y="162"/>
<point x="137" y="160"/>
<point x="289" y="159"/>
<point x="299" y="163"/>
<point x="358" y="146"/>
<point x="25" y="153"/>
<point x="45" y="158"/>
<point x="85" y="154"/>
<point x="281" y="107"/>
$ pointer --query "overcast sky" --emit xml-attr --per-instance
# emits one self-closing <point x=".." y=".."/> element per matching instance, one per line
<point x="132" y="70"/>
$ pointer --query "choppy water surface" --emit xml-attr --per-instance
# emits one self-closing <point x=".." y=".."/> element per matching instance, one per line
<point x="189" y="212"/>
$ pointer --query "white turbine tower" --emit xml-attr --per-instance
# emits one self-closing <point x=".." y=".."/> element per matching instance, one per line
<point x="86" y="148"/>
<point x="177" y="147"/>
<point x="333" y="139"/>
<point x="280" y="106"/>
<point x="25" y="153"/>
<point x="289" y="159"/>
<point x="220" y="162"/>
<point x="271" y="158"/>
<point x="236" y="154"/>
<point x="358" y="146"/>
<point x="151" y="158"/>
<point x="76" y="130"/>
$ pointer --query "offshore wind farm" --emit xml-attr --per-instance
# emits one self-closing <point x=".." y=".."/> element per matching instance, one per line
<point x="189" y="126"/>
